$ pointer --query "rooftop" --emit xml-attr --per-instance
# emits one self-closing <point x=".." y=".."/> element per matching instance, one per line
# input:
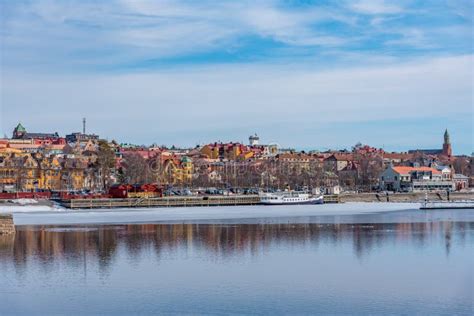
<point x="407" y="170"/>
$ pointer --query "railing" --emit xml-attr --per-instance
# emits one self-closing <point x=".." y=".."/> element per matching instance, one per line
<point x="332" y="199"/>
<point x="433" y="184"/>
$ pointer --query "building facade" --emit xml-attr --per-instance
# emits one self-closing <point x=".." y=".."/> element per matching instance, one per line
<point x="408" y="179"/>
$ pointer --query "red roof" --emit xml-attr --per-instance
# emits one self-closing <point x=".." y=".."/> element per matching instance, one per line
<point x="341" y="157"/>
<point x="401" y="156"/>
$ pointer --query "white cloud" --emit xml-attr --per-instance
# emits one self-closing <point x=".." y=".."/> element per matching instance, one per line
<point x="71" y="34"/>
<point x="74" y="33"/>
<point x="203" y="100"/>
<point x="375" y="7"/>
<point x="411" y="36"/>
<point x="73" y="51"/>
<point x="462" y="8"/>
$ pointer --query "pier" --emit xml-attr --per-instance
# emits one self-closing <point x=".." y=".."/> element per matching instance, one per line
<point x="6" y="224"/>
<point x="447" y="205"/>
<point x="174" y="201"/>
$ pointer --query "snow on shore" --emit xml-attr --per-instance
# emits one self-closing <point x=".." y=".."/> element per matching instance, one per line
<point x="25" y="201"/>
<point x="44" y="215"/>
<point x="25" y="208"/>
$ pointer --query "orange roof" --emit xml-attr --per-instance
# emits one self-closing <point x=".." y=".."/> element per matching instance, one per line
<point x="25" y="146"/>
<point x="407" y="170"/>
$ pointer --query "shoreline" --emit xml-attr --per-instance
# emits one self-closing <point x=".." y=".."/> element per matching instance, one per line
<point x="413" y="197"/>
<point x="46" y="212"/>
<point x="332" y="213"/>
<point x="417" y="197"/>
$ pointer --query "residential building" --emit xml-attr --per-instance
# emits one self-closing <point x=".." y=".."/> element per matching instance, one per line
<point x="80" y="137"/>
<point x="338" y="161"/>
<point x="178" y="170"/>
<point x="227" y="151"/>
<point x="254" y="140"/>
<point x="396" y="158"/>
<point x="461" y="182"/>
<point x="403" y="178"/>
<point x="38" y="138"/>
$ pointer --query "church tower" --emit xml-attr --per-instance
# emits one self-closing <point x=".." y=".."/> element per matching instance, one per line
<point x="447" y="145"/>
<point x="19" y="131"/>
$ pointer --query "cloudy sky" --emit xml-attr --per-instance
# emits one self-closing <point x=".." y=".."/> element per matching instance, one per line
<point x="306" y="74"/>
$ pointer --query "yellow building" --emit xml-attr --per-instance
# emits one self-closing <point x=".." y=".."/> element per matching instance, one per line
<point x="20" y="171"/>
<point x="50" y="173"/>
<point x="179" y="171"/>
<point x="73" y="173"/>
<point x="229" y="151"/>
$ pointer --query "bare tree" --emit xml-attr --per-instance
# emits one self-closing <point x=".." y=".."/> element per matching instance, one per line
<point x="105" y="162"/>
<point x="461" y="165"/>
<point x="18" y="164"/>
<point x="136" y="169"/>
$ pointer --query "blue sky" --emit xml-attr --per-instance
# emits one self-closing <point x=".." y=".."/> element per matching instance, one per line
<point x="306" y="74"/>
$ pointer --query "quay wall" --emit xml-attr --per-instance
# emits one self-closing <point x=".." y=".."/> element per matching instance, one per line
<point x="249" y="200"/>
<point x="6" y="224"/>
<point x="161" y="202"/>
<point x="405" y="197"/>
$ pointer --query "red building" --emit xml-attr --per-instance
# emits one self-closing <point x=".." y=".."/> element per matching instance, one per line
<point x="38" y="138"/>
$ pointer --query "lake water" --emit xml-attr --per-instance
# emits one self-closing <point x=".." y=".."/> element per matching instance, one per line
<point x="407" y="262"/>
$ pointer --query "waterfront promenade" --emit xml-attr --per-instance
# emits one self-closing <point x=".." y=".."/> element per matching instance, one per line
<point x="236" y="200"/>
<point x="189" y="201"/>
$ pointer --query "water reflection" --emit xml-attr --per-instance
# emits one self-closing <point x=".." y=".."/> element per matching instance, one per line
<point x="48" y="244"/>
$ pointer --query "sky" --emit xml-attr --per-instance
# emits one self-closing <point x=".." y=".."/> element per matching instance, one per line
<point x="303" y="74"/>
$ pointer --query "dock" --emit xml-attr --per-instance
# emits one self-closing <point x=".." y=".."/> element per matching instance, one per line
<point x="447" y="205"/>
<point x="172" y="201"/>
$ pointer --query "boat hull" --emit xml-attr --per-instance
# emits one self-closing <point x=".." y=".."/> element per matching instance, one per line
<point x="311" y="201"/>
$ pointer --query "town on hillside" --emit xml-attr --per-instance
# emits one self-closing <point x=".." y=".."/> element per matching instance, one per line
<point x="82" y="163"/>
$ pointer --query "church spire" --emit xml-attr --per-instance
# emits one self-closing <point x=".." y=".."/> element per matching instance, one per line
<point x="446" y="137"/>
<point x="447" y="150"/>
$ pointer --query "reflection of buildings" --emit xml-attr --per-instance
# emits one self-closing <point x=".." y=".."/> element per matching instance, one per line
<point x="49" y="244"/>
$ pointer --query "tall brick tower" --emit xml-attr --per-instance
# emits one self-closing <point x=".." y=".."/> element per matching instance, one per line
<point x="447" y="145"/>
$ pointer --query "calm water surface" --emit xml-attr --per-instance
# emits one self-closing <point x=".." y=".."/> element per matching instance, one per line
<point x="321" y="266"/>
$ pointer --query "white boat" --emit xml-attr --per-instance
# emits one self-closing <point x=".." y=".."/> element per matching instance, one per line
<point x="290" y="197"/>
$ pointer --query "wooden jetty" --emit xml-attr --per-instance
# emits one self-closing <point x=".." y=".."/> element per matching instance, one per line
<point x="172" y="201"/>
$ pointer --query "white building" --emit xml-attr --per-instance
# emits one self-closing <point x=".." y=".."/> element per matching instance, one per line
<point x="254" y="140"/>
<point x="407" y="179"/>
<point x="446" y="172"/>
